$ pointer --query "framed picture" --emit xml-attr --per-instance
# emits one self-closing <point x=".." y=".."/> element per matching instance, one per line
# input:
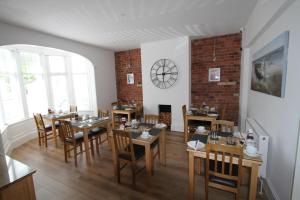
<point x="214" y="74"/>
<point x="269" y="67"/>
<point x="130" y="78"/>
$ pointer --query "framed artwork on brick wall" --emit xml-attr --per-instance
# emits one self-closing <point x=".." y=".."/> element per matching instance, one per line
<point x="214" y="74"/>
<point x="130" y="78"/>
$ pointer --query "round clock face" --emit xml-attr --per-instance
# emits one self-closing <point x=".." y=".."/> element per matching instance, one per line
<point x="163" y="73"/>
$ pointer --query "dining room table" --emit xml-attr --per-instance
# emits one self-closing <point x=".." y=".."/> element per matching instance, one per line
<point x="156" y="131"/>
<point x="55" y="117"/>
<point x="197" y="115"/>
<point x="223" y="138"/>
<point x="85" y="126"/>
<point x="127" y="110"/>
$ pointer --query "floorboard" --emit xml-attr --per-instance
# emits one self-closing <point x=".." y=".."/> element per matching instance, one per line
<point x="58" y="180"/>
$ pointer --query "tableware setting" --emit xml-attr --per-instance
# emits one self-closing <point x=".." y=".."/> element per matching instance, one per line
<point x="200" y="129"/>
<point x="195" y="144"/>
<point x="160" y="125"/>
<point x="145" y="135"/>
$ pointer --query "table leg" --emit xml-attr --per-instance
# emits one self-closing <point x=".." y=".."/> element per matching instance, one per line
<point x="162" y="146"/>
<point x="54" y="132"/>
<point x="185" y="130"/>
<point x="86" y="146"/>
<point x="114" y="156"/>
<point x="253" y="182"/>
<point x="191" y="175"/>
<point x="113" y="119"/>
<point x="148" y="159"/>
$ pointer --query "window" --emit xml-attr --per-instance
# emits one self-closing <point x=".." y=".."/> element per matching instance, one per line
<point x="58" y="76"/>
<point x="32" y="79"/>
<point x="34" y="82"/>
<point x="10" y="98"/>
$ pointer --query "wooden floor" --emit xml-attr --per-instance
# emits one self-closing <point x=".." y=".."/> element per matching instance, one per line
<point x="58" y="180"/>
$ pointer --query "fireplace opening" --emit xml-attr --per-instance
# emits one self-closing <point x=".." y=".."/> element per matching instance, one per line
<point x="165" y="114"/>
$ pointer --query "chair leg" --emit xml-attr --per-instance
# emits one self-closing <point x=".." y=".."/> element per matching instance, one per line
<point x="118" y="172"/>
<point x="75" y="155"/>
<point x="133" y="172"/>
<point x="81" y="148"/>
<point x="97" y="144"/>
<point x="206" y="191"/>
<point x="40" y="143"/>
<point x="66" y="152"/>
<point x="92" y="147"/>
<point x="46" y="142"/>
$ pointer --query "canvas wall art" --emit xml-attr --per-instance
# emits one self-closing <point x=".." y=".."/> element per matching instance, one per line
<point x="269" y="67"/>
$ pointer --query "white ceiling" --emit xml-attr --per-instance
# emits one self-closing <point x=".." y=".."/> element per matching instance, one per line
<point x="125" y="24"/>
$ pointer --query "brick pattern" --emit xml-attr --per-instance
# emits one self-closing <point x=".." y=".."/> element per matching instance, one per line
<point x="228" y="58"/>
<point x="126" y="91"/>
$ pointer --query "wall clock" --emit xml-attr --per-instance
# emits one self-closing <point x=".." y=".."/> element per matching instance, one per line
<point x="163" y="73"/>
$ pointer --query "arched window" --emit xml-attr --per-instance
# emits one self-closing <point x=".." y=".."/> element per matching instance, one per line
<point x="33" y="79"/>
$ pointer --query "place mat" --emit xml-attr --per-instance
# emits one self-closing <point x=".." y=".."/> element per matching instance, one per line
<point x="147" y="125"/>
<point x="135" y="134"/>
<point x="201" y="138"/>
<point x="154" y="131"/>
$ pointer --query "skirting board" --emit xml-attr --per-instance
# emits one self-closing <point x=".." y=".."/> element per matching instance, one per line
<point x="269" y="190"/>
<point x="10" y="145"/>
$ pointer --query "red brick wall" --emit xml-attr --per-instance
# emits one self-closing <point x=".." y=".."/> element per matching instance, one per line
<point x="124" y="90"/>
<point x="228" y="58"/>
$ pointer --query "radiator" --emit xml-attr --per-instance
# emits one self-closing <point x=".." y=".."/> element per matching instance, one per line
<point x="262" y="139"/>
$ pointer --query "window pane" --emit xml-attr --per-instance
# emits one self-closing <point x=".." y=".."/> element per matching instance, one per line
<point x="57" y="64"/>
<point x="7" y="62"/>
<point x="10" y="98"/>
<point x="81" y="91"/>
<point x="36" y="95"/>
<point x="60" y="92"/>
<point x="30" y="63"/>
<point x="79" y="64"/>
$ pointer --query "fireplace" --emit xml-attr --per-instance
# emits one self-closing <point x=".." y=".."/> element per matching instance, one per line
<point x="165" y="114"/>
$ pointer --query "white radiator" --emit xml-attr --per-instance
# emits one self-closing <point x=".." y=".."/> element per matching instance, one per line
<point x="262" y="139"/>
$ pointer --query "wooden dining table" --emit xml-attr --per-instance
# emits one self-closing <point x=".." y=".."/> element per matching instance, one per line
<point x="85" y="126"/>
<point x="54" y="117"/>
<point x="196" y="117"/>
<point x="122" y="110"/>
<point x="160" y="133"/>
<point x="248" y="161"/>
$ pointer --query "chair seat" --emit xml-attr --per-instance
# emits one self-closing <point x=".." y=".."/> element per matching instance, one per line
<point x="223" y="181"/>
<point x="48" y="127"/>
<point x="98" y="130"/>
<point x="78" y="137"/>
<point x="139" y="151"/>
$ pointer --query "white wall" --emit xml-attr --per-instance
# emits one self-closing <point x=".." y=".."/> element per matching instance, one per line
<point x="102" y="59"/>
<point x="278" y="116"/>
<point x="177" y="50"/>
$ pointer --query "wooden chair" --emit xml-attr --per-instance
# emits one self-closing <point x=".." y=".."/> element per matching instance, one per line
<point x="102" y="113"/>
<point x="208" y="122"/>
<point x="224" y="173"/>
<point x="96" y="133"/>
<point x="153" y="119"/>
<point x="73" y="140"/>
<point x="224" y="126"/>
<point x="44" y="132"/>
<point x="126" y="151"/>
<point x="73" y="108"/>
<point x="221" y="113"/>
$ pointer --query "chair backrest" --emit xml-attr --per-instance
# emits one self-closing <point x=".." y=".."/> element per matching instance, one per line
<point x="73" y="108"/>
<point x="209" y="122"/>
<point x="152" y="119"/>
<point x="229" y="167"/>
<point x="123" y="144"/>
<point x="66" y="130"/>
<point x="39" y="122"/>
<point x="224" y="126"/>
<point x="222" y="113"/>
<point x="102" y="113"/>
